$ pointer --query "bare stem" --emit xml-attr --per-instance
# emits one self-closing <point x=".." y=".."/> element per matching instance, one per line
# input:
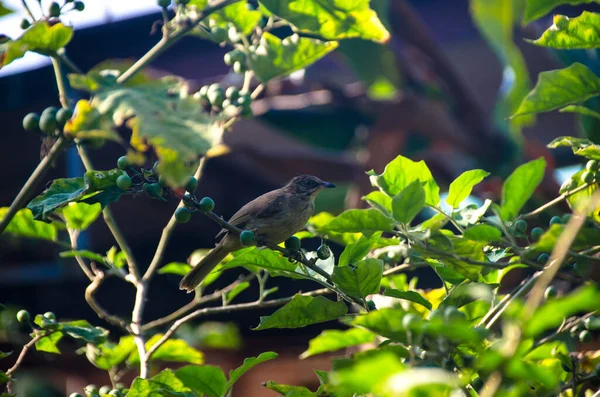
<point x="557" y="200"/>
<point x="22" y="355"/>
<point x="42" y="168"/>
<point x="103" y="314"/>
<point x="60" y="83"/>
<point x="136" y="324"/>
<point x="168" y="230"/>
<point x="73" y="234"/>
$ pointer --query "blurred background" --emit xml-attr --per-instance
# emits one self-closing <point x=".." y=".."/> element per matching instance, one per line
<point x="438" y="91"/>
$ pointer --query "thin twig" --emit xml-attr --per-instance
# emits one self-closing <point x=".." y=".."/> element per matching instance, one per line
<point x="60" y="83"/>
<point x="522" y="290"/>
<point x="136" y="324"/>
<point x="227" y="309"/>
<point x="456" y="225"/>
<point x="73" y="235"/>
<point x="26" y="6"/>
<point x="168" y="230"/>
<point x="22" y="355"/>
<point x="103" y="314"/>
<point x="557" y="200"/>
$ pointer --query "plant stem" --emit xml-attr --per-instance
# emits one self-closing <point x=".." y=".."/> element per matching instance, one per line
<point x="60" y="83"/>
<point x="508" y="299"/>
<point x="456" y="225"/>
<point x="168" y="40"/>
<point x="136" y="323"/>
<point x="73" y="235"/>
<point x="168" y="230"/>
<point x="23" y="196"/>
<point x="21" y="357"/>
<point x="91" y="300"/>
<point x="26" y="6"/>
<point x="557" y="200"/>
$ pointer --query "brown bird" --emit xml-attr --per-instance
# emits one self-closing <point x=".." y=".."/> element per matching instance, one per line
<point x="274" y="216"/>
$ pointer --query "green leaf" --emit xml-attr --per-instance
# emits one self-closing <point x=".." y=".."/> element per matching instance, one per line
<point x="80" y="215"/>
<point x="586" y="238"/>
<point x="579" y="201"/>
<point x="552" y="313"/>
<point x="496" y="20"/>
<point x="168" y="380"/>
<point x="572" y="33"/>
<point x="180" y="269"/>
<point x="238" y="289"/>
<point x="4" y="10"/>
<point x="471" y="214"/>
<point x="380" y="201"/>
<point x="332" y="21"/>
<point x="519" y="187"/>
<point x="144" y="388"/>
<point x="176" y="350"/>
<point x="4" y="355"/>
<point x="49" y="344"/>
<point x="3" y="377"/>
<point x="268" y="259"/>
<point x="149" y="110"/>
<point x="103" y="75"/>
<point x="367" y="221"/>
<point x="407" y="204"/>
<point x="483" y="232"/>
<point x="359" y="280"/>
<point x="203" y="380"/>
<point x="276" y="57"/>
<point x="217" y="335"/>
<point x="462" y="186"/>
<point x="400" y="173"/>
<point x="580" y="110"/>
<point x="248" y="364"/>
<point x="558" y="88"/>
<point x="538" y="8"/>
<point x="109" y="354"/>
<point x="24" y="225"/>
<point x="332" y="340"/>
<point x="289" y="390"/>
<point x="238" y="14"/>
<point x="84" y="254"/>
<point x="302" y="311"/>
<point x="412" y="296"/>
<point x="41" y="38"/>
<point x="356" y="251"/>
<point x="580" y="146"/>
<point x="81" y="329"/>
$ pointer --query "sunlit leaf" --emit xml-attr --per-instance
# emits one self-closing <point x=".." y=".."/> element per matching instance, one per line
<point x="203" y="380"/>
<point x="248" y="364"/>
<point x="572" y="33"/>
<point x="108" y="354"/>
<point x="580" y="146"/>
<point x="538" y="8"/>
<point x="24" y="225"/>
<point x="360" y="279"/>
<point x="462" y="186"/>
<point x="289" y="390"/>
<point x="332" y="340"/>
<point x="483" y="232"/>
<point x="366" y="221"/>
<point x="49" y="344"/>
<point x="81" y="215"/>
<point x="412" y="296"/>
<point x="177" y="350"/>
<point x="407" y="204"/>
<point x="254" y="259"/>
<point x="180" y="269"/>
<point x="302" y="311"/>
<point x="519" y="187"/>
<point x="356" y="251"/>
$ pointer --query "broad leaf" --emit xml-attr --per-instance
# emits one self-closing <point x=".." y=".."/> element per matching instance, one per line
<point x="332" y="340"/>
<point x="49" y="344"/>
<point x="3" y="377"/>
<point x="177" y="350"/>
<point x="462" y="186"/>
<point x="407" y="204"/>
<point x="84" y="254"/>
<point x="24" y="225"/>
<point x="169" y="381"/>
<point x="400" y="173"/>
<point x="4" y="10"/>
<point x="360" y="279"/>
<point x="582" y="110"/>
<point x="356" y="251"/>
<point x="332" y="21"/>
<point x="558" y="88"/>
<point x="238" y="289"/>
<point x="483" y="232"/>
<point x="103" y="75"/>
<point x="289" y="390"/>
<point x="248" y="364"/>
<point x="81" y="215"/>
<point x="145" y="388"/>
<point x="580" y="146"/>
<point x="553" y="312"/>
<point x="519" y="187"/>
<point x="302" y="311"/>
<point x="41" y="38"/>
<point x="412" y="296"/>
<point x="238" y="14"/>
<point x="276" y="57"/>
<point x="461" y="251"/>
<point x="255" y="259"/>
<point x="180" y="269"/>
<point x="572" y="33"/>
<point x="367" y="221"/>
<point x="538" y="8"/>
<point x="203" y="380"/>
<point x="580" y="201"/>
<point x="380" y="201"/>
<point x="81" y="329"/>
<point x="586" y="238"/>
<point x="110" y="354"/>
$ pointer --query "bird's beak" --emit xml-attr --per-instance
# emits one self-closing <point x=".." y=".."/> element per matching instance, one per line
<point x="328" y="185"/>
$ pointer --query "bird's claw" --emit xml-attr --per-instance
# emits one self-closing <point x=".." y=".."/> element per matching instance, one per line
<point x="295" y="256"/>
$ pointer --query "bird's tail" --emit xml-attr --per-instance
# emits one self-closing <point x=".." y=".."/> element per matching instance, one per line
<point x="205" y="266"/>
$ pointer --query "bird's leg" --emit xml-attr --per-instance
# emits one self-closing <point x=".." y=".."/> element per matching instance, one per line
<point x="295" y="256"/>
<point x="261" y="241"/>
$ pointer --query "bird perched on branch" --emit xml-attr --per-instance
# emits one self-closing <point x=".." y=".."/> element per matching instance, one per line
<point x="275" y="216"/>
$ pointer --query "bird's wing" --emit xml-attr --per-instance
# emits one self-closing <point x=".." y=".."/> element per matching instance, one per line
<point x="263" y="206"/>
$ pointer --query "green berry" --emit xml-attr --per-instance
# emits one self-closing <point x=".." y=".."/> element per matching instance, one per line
<point x="164" y="3"/>
<point x="206" y="204"/>
<point x="246" y="111"/>
<point x="234" y="56"/>
<point x="91" y="389"/>
<point x="115" y="393"/>
<point x="54" y="10"/>
<point x="63" y="115"/>
<point x="588" y="176"/>
<point x="75" y="395"/>
<point x="25" y="24"/>
<point x="592" y="165"/>
<point x="232" y="93"/>
<point x="191" y="185"/>
<point x="203" y="92"/>
<point x="123" y="163"/>
<point x="216" y="97"/>
<point x="521" y="226"/>
<point x="50" y="316"/>
<point x="536" y="233"/>
<point x="550" y="292"/>
<point x="371" y="305"/>
<point x="543" y="259"/>
<point x="565" y="218"/>
<point x="409" y="321"/>
<point x="555" y="220"/>
<point x="48" y="122"/>
<point x="293" y="243"/>
<point x="436" y="315"/>
<point x="239" y="67"/>
<point x="124" y="182"/>
<point x="153" y="189"/>
<point x="233" y="35"/>
<point x="183" y="215"/>
<point x="219" y="34"/>
<point x="120" y="386"/>
<point x="104" y="390"/>
<point x="592" y="323"/>
<point x="247" y="238"/>
<point x="31" y="122"/>
<point x="23" y="316"/>
<point x="79" y="6"/>
<point x="453" y="314"/>
<point x="585" y="336"/>
<point x="244" y="100"/>
<point x="323" y="252"/>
